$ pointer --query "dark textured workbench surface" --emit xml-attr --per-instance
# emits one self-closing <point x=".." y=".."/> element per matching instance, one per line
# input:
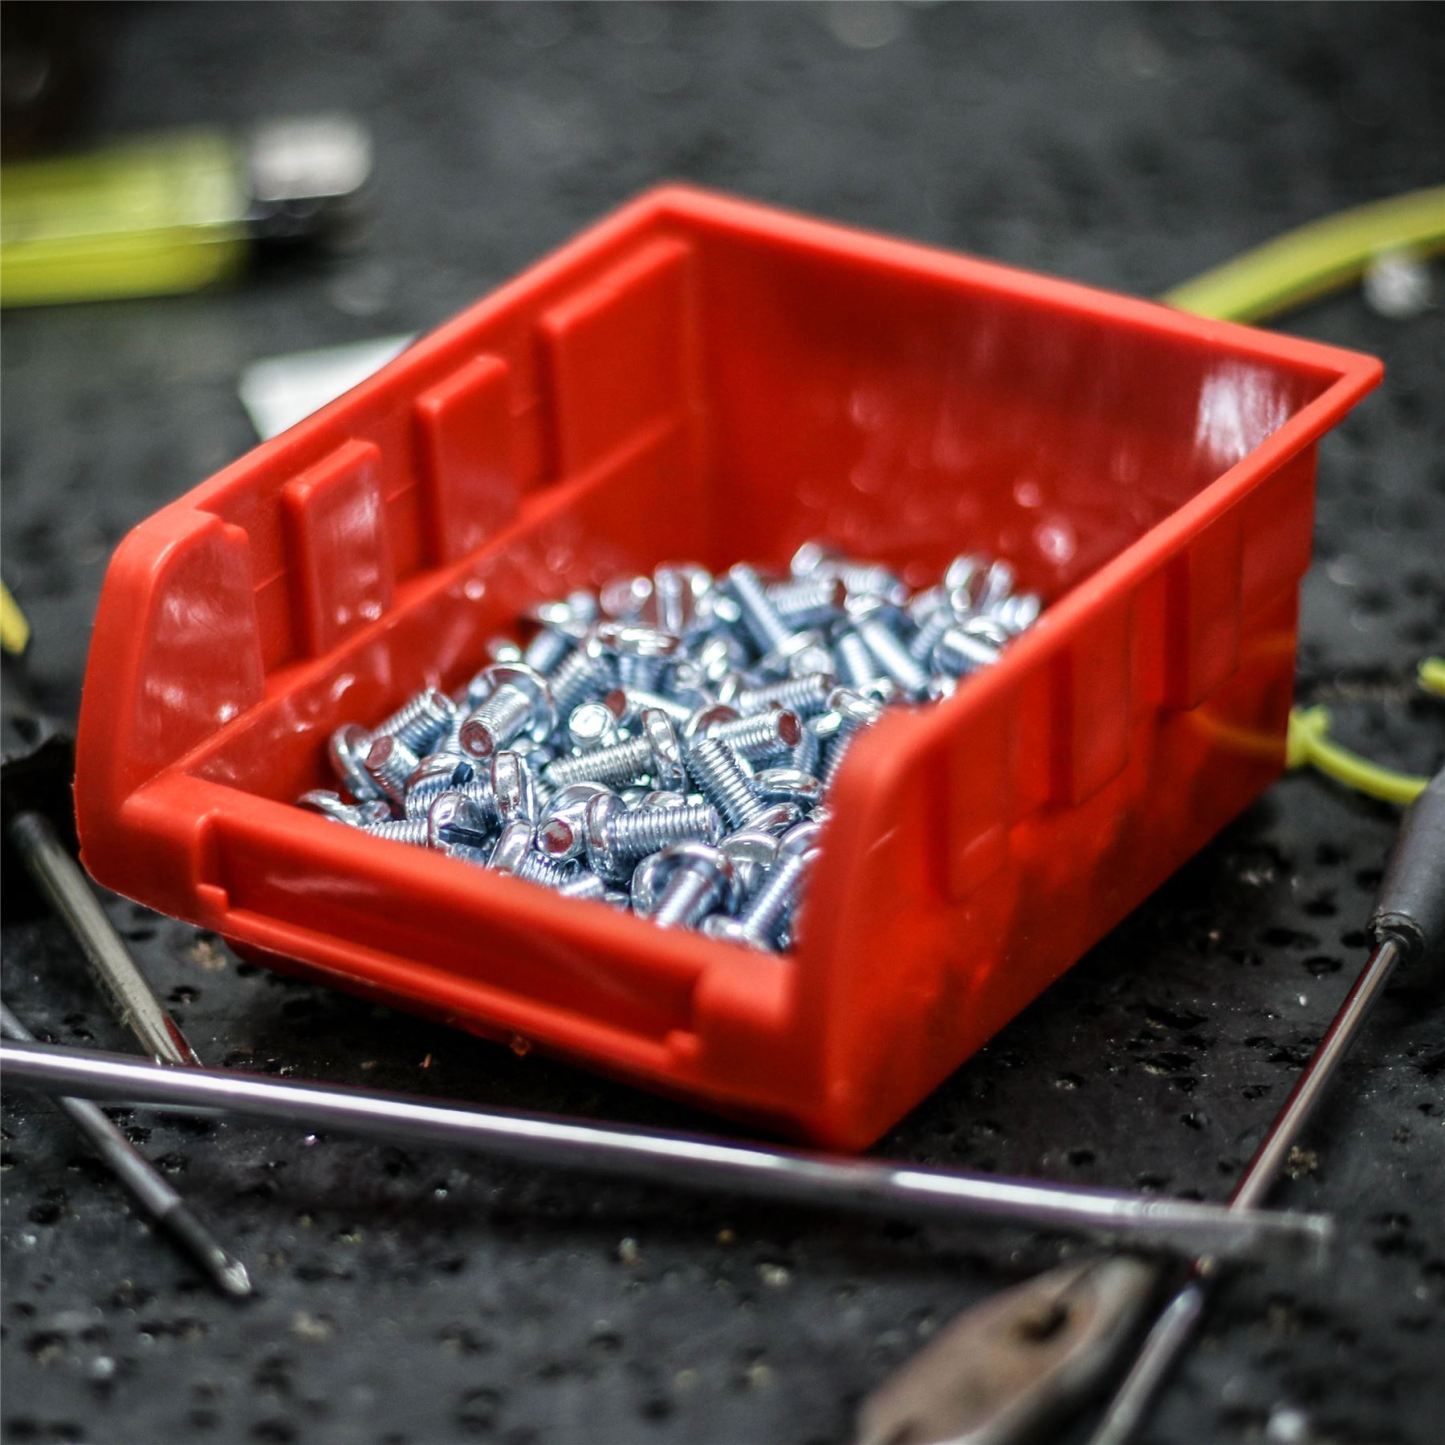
<point x="423" y="1297"/>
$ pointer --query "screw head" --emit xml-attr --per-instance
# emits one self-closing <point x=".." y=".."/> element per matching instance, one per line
<point x="348" y="747"/>
<point x="475" y="738"/>
<point x="455" y="818"/>
<point x="330" y="805"/>
<point x="751" y="852"/>
<point x="701" y="858"/>
<point x="803" y="838"/>
<point x="597" y="820"/>
<point x="726" y="929"/>
<point x="788" y="785"/>
<point x="667" y="771"/>
<point x="854" y="708"/>
<point x="561" y="834"/>
<point x="810" y="558"/>
<point x="513" y="787"/>
<point x="706" y="720"/>
<point x="512" y="847"/>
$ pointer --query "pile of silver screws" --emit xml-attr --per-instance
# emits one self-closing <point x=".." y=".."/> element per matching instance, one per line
<point x="667" y="745"/>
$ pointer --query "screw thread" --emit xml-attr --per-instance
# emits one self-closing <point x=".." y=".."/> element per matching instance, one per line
<point x="807" y="752"/>
<point x="685" y="900"/>
<point x="759" y="615"/>
<point x="578" y="674"/>
<point x="855" y="663"/>
<point x="892" y="656"/>
<point x="765" y="736"/>
<point x="922" y="643"/>
<point x="805" y="601"/>
<point x="621" y="763"/>
<point x="649" y="830"/>
<point x="771" y="905"/>
<point x="720" y="777"/>
<point x="400" y="830"/>
<point x="497" y="722"/>
<point x="419" y="721"/>
<point x="479" y="791"/>
<point x="842" y="741"/>
<point x="584" y="885"/>
<point x="537" y="869"/>
<point x="390" y="766"/>
<point x="546" y="650"/>
<point x="962" y="654"/>
<point x="807" y="696"/>
<point x="423" y="793"/>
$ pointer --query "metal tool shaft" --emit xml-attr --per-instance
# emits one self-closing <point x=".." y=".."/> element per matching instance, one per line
<point x="689" y="1161"/>
<point x="60" y="879"/>
<point x="1176" y="1324"/>
<point x="156" y="1198"/>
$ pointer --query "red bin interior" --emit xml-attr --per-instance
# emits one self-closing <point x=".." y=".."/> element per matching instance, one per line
<point x="701" y="378"/>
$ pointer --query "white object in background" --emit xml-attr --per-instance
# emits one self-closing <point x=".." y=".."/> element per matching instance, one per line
<point x="279" y="391"/>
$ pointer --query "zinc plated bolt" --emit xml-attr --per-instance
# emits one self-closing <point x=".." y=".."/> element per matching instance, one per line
<point x="855" y="712"/>
<point x="862" y="579"/>
<point x="389" y="763"/>
<point x="587" y="669"/>
<point x="433" y="775"/>
<point x="628" y="703"/>
<point x="805" y="601"/>
<point x="655" y="753"/>
<point x="768" y="911"/>
<point x="764" y="737"/>
<point x="623" y="598"/>
<point x="596" y="723"/>
<point x="454" y="818"/>
<point x="788" y="785"/>
<point x="1017" y="612"/>
<point x="642" y="654"/>
<point x="412" y="831"/>
<point x="347" y="748"/>
<point x="724" y="782"/>
<point x="964" y="650"/>
<point x="506" y="791"/>
<point x="563" y="624"/>
<point x="513" y="700"/>
<point x="876" y="622"/>
<point x="355" y="815"/>
<point x="420" y="721"/>
<point x="615" y="839"/>
<point x="752" y="852"/>
<point x="695" y="879"/>
<point x="513" y="854"/>
<point x="806" y="696"/>
<point x="677" y="593"/>
<point x="776" y="638"/>
<point x="560" y="832"/>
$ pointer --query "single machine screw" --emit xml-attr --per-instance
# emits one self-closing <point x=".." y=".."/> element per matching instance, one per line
<point x="587" y="669"/>
<point x="855" y="712"/>
<point x="420" y="722"/>
<point x="506" y="792"/>
<point x="595" y="724"/>
<point x="514" y="699"/>
<point x="762" y="738"/>
<point x="862" y="579"/>
<point x="561" y="831"/>
<point x="642" y="654"/>
<point x="721" y="779"/>
<point x="347" y="749"/>
<point x="562" y="624"/>
<point x="656" y="753"/>
<point x="761" y="923"/>
<point x="695" y="879"/>
<point x="514" y="854"/>
<point x="876" y="622"/>
<point x="355" y="815"/>
<point x="806" y="696"/>
<point x="777" y="639"/>
<point x="616" y="838"/>
<point x="967" y="649"/>
<point x="389" y="763"/>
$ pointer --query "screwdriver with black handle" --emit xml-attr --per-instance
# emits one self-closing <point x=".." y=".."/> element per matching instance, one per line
<point x="994" y="1377"/>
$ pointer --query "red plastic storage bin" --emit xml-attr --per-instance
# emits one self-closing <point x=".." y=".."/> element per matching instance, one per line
<point x="698" y="377"/>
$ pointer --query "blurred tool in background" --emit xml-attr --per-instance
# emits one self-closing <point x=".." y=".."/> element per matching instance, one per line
<point x="175" y="211"/>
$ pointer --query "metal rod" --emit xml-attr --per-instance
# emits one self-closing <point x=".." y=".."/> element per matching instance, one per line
<point x="1176" y="1324"/>
<point x="687" y="1161"/>
<point x="59" y="877"/>
<point x="156" y="1198"/>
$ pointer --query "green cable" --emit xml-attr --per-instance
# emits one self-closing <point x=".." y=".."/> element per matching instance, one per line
<point x="1297" y="267"/>
<point x="1315" y="259"/>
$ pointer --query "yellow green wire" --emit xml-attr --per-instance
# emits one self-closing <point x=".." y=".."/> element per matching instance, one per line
<point x="1317" y="258"/>
<point x="1297" y="267"/>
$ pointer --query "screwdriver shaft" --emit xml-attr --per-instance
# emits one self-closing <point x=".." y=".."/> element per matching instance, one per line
<point x="70" y="894"/>
<point x="1176" y="1324"/>
<point x="150" y="1191"/>
<point x="688" y="1161"/>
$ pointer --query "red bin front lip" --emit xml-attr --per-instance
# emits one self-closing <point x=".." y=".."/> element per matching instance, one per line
<point x="114" y="813"/>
